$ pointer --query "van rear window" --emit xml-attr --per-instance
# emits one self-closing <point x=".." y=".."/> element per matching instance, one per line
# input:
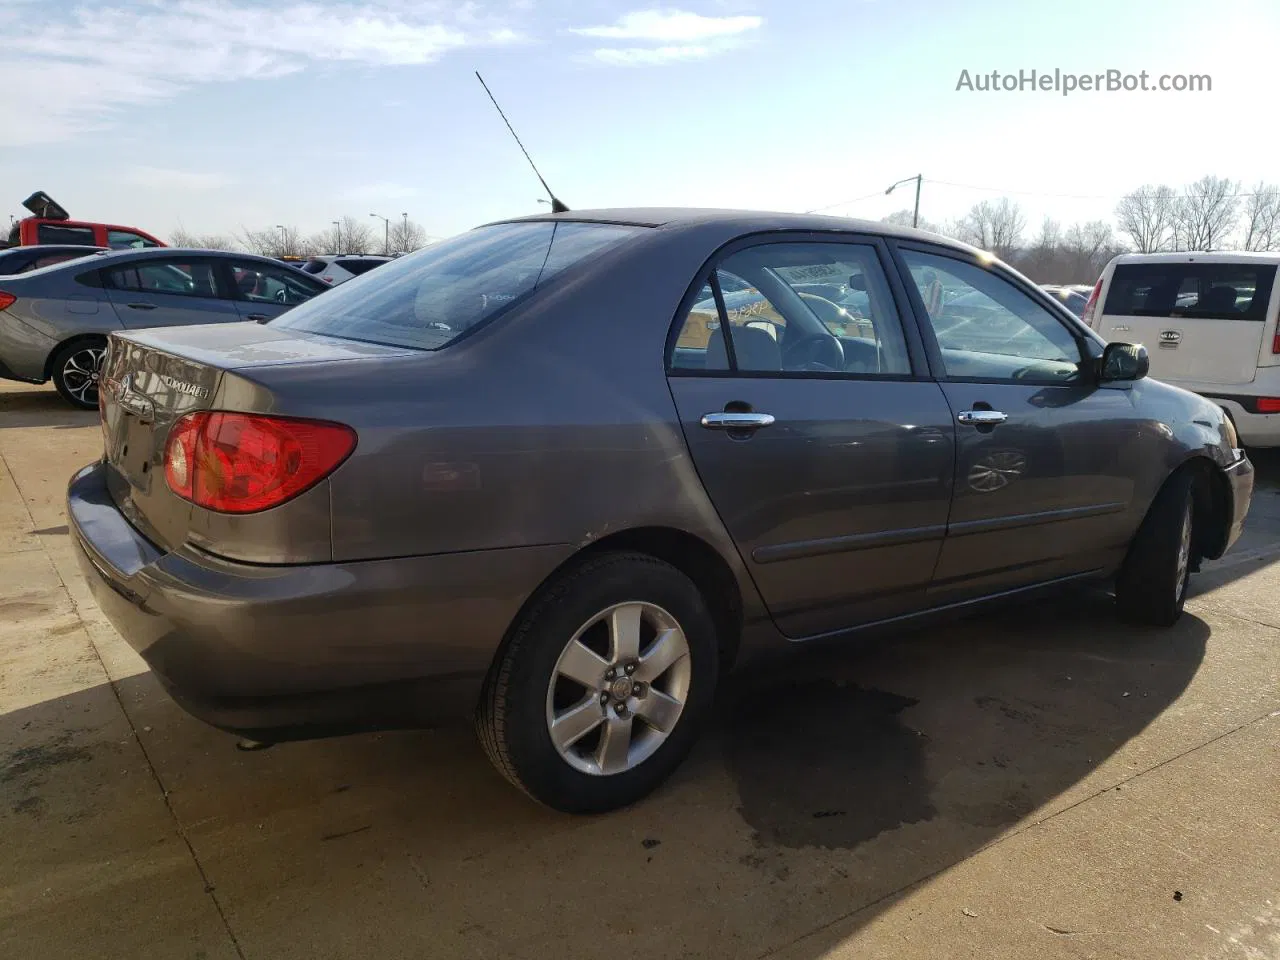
<point x="1195" y="291"/>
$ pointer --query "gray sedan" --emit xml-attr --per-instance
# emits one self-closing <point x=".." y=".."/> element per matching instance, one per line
<point x="54" y="321"/>
<point x="561" y="474"/>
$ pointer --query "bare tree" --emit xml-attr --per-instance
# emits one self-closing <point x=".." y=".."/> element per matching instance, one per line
<point x="1262" y="218"/>
<point x="406" y="236"/>
<point x="996" y="226"/>
<point x="1087" y="248"/>
<point x="1206" y="213"/>
<point x="903" y="218"/>
<point x="201" y="241"/>
<point x="278" y="241"/>
<point x="1147" y="217"/>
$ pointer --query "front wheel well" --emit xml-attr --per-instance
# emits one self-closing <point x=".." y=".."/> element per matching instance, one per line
<point x="1211" y="496"/>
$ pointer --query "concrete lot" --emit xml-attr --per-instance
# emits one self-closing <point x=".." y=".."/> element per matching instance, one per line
<point x="1042" y="782"/>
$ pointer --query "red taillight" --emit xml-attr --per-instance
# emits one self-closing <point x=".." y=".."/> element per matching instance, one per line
<point x="1269" y="404"/>
<point x="1275" y="343"/>
<point x="1092" y="305"/>
<point x="243" y="463"/>
<point x="7" y="300"/>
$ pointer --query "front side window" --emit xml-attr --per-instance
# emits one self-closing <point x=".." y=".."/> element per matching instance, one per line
<point x="988" y="329"/>
<point x="429" y="298"/>
<point x="797" y="308"/>
<point x="191" y="278"/>
<point x="1191" y="291"/>
<point x="262" y="283"/>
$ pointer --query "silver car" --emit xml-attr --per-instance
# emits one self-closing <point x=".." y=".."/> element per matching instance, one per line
<point x="54" y="321"/>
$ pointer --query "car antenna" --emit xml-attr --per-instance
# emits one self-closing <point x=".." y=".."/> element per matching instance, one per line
<point x="556" y="205"/>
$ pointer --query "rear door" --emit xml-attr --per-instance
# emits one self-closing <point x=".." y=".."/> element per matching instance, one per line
<point x="825" y="448"/>
<point x="263" y="290"/>
<point x="1202" y="321"/>
<point x="168" y="291"/>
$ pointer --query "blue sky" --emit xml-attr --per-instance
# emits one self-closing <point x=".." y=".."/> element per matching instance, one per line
<point x="218" y="114"/>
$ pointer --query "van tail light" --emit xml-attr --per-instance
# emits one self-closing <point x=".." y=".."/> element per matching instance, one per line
<point x="7" y="300"/>
<point x="244" y="463"/>
<point x="1091" y="307"/>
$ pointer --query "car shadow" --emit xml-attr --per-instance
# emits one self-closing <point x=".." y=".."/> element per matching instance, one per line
<point x="831" y="781"/>
<point x="32" y="406"/>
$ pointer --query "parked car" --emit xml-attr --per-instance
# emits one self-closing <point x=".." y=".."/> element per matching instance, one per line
<point x="54" y="321"/>
<point x="1068" y="296"/>
<point x="1210" y="321"/>
<point x="339" y="269"/>
<point x="489" y="477"/>
<point x="52" y="224"/>
<point x="25" y="259"/>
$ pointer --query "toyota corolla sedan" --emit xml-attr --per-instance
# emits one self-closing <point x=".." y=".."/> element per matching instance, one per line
<point x="548" y="474"/>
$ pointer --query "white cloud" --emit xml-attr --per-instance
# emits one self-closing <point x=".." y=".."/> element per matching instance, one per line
<point x="187" y="181"/>
<point x="97" y="59"/>
<point x="678" y="36"/>
<point x="671" y="26"/>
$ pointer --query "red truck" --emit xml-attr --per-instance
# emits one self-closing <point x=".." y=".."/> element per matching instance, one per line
<point x="50" y="223"/>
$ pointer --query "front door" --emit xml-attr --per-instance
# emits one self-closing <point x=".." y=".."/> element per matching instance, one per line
<point x="1044" y="456"/>
<point x="264" y="291"/>
<point x="826" y="451"/>
<point x="167" y="291"/>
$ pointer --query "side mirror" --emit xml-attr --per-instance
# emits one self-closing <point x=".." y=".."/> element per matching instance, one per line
<point x="857" y="282"/>
<point x="1123" y="362"/>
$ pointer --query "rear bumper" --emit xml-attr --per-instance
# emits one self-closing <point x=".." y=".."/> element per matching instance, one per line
<point x="304" y="650"/>
<point x="23" y="351"/>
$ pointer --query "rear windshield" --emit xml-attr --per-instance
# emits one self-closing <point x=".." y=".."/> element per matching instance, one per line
<point x="358" y="266"/>
<point x="53" y="233"/>
<point x="314" y="266"/>
<point x="1204" y="291"/>
<point x="432" y="297"/>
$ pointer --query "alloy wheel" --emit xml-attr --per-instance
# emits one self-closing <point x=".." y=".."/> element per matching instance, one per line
<point x="80" y="373"/>
<point x="618" y="688"/>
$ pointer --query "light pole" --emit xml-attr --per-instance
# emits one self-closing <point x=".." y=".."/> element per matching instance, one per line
<point x="283" y="242"/>
<point x="918" y="178"/>
<point x="386" y="233"/>
<point x="337" y="226"/>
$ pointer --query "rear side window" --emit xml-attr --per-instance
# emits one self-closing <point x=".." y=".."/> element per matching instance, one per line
<point x="127" y="240"/>
<point x="1197" y="291"/>
<point x="432" y="297"/>
<point x="358" y="265"/>
<point x="314" y="266"/>
<point x="53" y="233"/>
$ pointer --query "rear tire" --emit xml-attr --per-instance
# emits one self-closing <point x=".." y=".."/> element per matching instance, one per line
<point x="627" y="694"/>
<point x="1151" y="589"/>
<point x="76" y="367"/>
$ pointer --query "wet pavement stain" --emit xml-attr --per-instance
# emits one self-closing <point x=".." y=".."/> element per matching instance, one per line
<point x="27" y="762"/>
<point x="827" y="765"/>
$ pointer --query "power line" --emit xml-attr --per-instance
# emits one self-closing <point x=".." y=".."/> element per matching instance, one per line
<point x="842" y="203"/>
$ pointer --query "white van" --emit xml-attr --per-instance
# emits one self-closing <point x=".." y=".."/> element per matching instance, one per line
<point x="1208" y="321"/>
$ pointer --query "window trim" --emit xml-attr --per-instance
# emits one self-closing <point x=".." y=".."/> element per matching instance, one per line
<point x="1087" y="341"/>
<point x="917" y="357"/>
<point x="109" y="283"/>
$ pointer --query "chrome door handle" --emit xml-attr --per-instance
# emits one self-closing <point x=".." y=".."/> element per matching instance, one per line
<point x="736" y="421"/>
<point x="981" y="418"/>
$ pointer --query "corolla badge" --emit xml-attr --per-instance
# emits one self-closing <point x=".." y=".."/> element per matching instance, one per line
<point x="1170" y="338"/>
<point x="181" y="386"/>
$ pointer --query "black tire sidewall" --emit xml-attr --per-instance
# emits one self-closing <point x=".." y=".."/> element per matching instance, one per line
<point x="1147" y="589"/>
<point x="59" y="361"/>
<point x="542" y="638"/>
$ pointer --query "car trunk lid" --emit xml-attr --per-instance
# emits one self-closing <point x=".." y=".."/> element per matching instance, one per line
<point x="153" y="378"/>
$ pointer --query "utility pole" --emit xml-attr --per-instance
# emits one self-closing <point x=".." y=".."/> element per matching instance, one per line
<point x="283" y="241"/>
<point x="918" y="178"/>
<point x="386" y="233"/>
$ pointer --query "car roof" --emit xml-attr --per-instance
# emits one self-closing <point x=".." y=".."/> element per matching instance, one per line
<point x="1218" y="256"/>
<point x="747" y="221"/>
